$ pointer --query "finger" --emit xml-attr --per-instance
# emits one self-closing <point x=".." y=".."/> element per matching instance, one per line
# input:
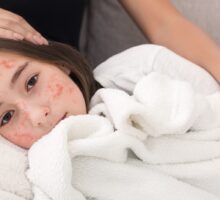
<point x="7" y="15"/>
<point x="31" y="33"/>
<point x="8" y="34"/>
<point x="17" y="28"/>
<point x="36" y="35"/>
<point x="25" y="27"/>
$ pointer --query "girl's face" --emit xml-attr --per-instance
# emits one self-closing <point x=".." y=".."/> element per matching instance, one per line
<point x="34" y="97"/>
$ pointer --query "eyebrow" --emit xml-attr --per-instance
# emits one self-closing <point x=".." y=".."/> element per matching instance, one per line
<point x="18" y="73"/>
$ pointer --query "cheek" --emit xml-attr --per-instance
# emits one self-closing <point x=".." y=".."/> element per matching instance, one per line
<point x="76" y="98"/>
<point x="58" y="88"/>
<point x="75" y="94"/>
<point x="58" y="91"/>
<point x="23" y="135"/>
<point x="71" y="90"/>
<point x="55" y="88"/>
<point x="21" y="138"/>
<point x="61" y="90"/>
<point x="20" y="134"/>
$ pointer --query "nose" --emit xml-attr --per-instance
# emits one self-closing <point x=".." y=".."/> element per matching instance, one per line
<point x="38" y="115"/>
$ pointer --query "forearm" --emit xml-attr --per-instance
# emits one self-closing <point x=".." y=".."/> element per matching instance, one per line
<point x="162" y="24"/>
<point x="192" y="43"/>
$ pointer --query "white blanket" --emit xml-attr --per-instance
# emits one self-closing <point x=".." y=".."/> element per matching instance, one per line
<point x="173" y="132"/>
<point x="162" y="142"/>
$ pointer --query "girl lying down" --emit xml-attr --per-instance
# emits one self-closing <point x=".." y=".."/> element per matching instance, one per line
<point x="145" y="126"/>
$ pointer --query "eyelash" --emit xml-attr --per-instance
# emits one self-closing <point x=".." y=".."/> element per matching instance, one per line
<point x="35" y="78"/>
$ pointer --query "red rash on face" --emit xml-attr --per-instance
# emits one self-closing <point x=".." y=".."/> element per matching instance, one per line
<point x="56" y="89"/>
<point x="59" y="90"/>
<point x="7" y="63"/>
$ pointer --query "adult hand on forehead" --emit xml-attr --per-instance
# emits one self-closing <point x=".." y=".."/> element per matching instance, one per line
<point x="13" y="26"/>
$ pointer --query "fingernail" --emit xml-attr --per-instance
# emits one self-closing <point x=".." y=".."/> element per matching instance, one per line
<point x="40" y="40"/>
<point x="45" y="41"/>
<point x="37" y="39"/>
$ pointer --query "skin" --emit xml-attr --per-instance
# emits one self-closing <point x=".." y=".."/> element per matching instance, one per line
<point x="161" y="22"/>
<point x="37" y="101"/>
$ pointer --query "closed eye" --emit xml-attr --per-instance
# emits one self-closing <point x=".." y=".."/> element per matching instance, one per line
<point x="31" y="82"/>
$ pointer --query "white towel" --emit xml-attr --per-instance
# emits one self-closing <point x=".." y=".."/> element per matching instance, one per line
<point x="13" y="165"/>
<point x="85" y="158"/>
<point x="95" y="177"/>
<point x="147" y="123"/>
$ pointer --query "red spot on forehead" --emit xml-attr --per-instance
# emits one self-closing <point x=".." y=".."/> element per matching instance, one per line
<point x="7" y="63"/>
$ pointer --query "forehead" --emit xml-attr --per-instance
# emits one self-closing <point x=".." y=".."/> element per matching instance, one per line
<point x="10" y="64"/>
<point x="9" y="61"/>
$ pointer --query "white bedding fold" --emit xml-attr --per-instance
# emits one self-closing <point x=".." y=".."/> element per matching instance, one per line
<point x="161" y="142"/>
<point x="147" y="123"/>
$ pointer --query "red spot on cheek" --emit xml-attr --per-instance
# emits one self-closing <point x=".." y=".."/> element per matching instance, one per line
<point x="7" y="63"/>
<point x="59" y="90"/>
<point x="55" y="89"/>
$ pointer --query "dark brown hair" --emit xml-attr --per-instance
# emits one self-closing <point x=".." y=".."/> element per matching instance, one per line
<point x="57" y="54"/>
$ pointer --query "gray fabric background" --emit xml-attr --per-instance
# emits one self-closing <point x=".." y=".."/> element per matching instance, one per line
<point x="107" y="28"/>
